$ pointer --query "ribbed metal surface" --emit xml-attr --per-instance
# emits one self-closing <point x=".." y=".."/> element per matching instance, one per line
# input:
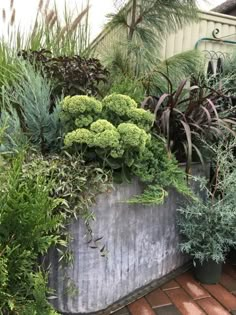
<point x="142" y="244"/>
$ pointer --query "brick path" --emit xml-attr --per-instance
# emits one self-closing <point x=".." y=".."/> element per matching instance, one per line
<point x="184" y="295"/>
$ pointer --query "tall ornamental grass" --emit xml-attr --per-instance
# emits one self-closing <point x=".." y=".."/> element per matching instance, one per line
<point x="63" y="33"/>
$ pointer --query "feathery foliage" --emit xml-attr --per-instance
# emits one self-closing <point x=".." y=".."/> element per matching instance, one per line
<point x="208" y="225"/>
<point x="149" y="80"/>
<point x="176" y="68"/>
<point x="28" y="228"/>
<point x="13" y="138"/>
<point x="148" y="22"/>
<point x="143" y="25"/>
<point x="124" y="84"/>
<point x="38" y="195"/>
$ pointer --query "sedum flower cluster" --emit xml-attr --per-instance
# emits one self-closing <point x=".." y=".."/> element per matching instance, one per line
<point x="80" y="111"/>
<point x="119" y="108"/>
<point x="115" y="127"/>
<point x="123" y="142"/>
<point x="117" y="133"/>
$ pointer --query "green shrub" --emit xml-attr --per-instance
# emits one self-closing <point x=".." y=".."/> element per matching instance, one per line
<point x="38" y="195"/>
<point x="118" y="105"/>
<point x="28" y="227"/>
<point x="121" y="135"/>
<point x="207" y="225"/>
<point x="161" y="171"/>
<point x="122" y="84"/>
<point x="208" y="230"/>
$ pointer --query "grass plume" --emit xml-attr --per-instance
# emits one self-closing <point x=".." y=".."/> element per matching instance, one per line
<point x="40" y="5"/>
<point x="46" y="6"/>
<point x="4" y="15"/>
<point x="49" y="17"/>
<point x="13" y="17"/>
<point x="63" y="33"/>
<point x="11" y="4"/>
<point x="79" y="19"/>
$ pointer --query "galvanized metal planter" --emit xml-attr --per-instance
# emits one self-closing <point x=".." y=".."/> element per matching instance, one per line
<point x="142" y="244"/>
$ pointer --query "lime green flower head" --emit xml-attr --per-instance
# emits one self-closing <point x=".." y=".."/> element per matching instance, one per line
<point x="83" y="121"/>
<point x="80" y="136"/>
<point x="101" y="125"/>
<point x="118" y="104"/>
<point x="117" y="152"/>
<point x="143" y="118"/>
<point x="79" y="104"/>
<point x="107" y="139"/>
<point x="133" y="136"/>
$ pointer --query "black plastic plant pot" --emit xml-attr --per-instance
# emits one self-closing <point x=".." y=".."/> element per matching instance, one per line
<point x="208" y="272"/>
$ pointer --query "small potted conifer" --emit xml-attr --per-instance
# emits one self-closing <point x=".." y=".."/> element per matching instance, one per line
<point x="207" y="225"/>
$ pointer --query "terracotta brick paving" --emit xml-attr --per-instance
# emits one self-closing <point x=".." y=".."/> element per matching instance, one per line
<point x="141" y="307"/>
<point x="170" y="285"/>
<point x="158" y="298"/>
<point x="185" y="296"/>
